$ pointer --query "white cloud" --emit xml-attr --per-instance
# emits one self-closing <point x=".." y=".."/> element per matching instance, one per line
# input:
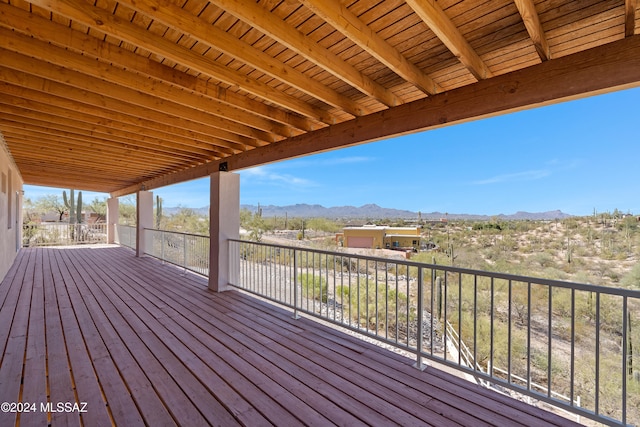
<point x="519" y="176"/>
<point x="263" y="174"/>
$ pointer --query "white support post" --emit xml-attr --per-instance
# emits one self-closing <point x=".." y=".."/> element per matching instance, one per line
<point x="144" y="220"/>
<point x="224" y="225"/>
<point x="112" y="218"/>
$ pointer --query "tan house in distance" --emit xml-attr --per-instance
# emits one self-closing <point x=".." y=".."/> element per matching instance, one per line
<point x="380" y="237"/>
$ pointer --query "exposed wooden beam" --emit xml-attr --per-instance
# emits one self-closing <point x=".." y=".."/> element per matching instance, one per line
<point x="143" y="101"/>
<point x="343" y="20"/>
<point x="105" y="22"/>
<point x="275" y="28"/>
<point x="57" y="111"/>
<point x="116" y="138"/>
<point x="45" y="30"/>
<point x="606" y="68"/>
<point x="44" y="152"/>
<point x="109" y="110"/>
<point x="103" y="148"/>
<point x="532" y="23"/>
<point x="630" y="17"/>
<point x="446" y="31"/>
<point x="181" y="21"/>
<point x="217" y="114"/>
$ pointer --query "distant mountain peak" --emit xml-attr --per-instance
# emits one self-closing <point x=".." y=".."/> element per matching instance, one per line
<point x="374" y="211"/>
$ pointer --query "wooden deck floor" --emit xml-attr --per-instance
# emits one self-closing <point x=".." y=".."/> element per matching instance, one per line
<point x="141" y="344"/>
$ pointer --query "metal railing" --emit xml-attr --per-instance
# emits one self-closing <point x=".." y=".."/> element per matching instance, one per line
<point x="566" y="344"/>
<point x="126" y="236"/>
<point x="189" y="251"/>
<point x="59" y="233"/>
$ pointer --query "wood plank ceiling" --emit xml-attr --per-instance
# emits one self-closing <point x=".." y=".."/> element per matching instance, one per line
<point x="111" y="95"/>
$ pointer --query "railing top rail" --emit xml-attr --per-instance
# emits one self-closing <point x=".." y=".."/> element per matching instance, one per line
<point x="630" y="293"/>
<point x="177" y="232"/>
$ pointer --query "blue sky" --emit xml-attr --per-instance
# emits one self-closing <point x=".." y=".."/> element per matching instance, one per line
<point x="573" y="156"/>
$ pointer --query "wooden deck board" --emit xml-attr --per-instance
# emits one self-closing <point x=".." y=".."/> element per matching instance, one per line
<point x="144" y="344"/>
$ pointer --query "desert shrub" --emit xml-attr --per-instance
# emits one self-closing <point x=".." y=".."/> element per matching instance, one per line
<point x="313" y="287"/>
<point x="361" y="300"/>
<point x="543" y="259"/>
<point x="632" y="279"/>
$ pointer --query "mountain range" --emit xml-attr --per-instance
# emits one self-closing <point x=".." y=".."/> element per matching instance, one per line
<point x="373" y="211"/>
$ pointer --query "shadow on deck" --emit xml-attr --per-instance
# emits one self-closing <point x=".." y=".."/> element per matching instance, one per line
<point x="134" y="342"/>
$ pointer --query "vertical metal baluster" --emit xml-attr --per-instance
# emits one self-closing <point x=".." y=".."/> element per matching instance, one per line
<point x="335" y="296"/>
<point x="408" y="309"/>
<point x="529" y="336"/>
<point x="272" y="287"/>
<point x="550" y="332"/>
<point x="573" y="346"/>
<point x="358" y="290"/>
<point x="491" y="330"/>
<point x="446" y="318"/>
<point x="254" y="269"/>
<point x="510" y="291"/>
<point x="258" y="269"/>
<point x="624" y="360"/>
<point x="313" y="291"/>
<point x="325" y="292"/>
<point x="341" y="289"/>
<point x="366" y="293"/>
<point x="290" y="266"/>
<point x="433" y="293"/>
<point x="396" y="315"/>
<point x="386" y="300"/>
<point x="305" y="294"/>
<point x="597" y="397"/>
<point x="375" y="266"/>
<point x="459" y="318"/>
<point x="475" y="321"/>
<point x="162" y="246"/>
<point x="350" y="294"/>
<point x="251" y="265"/>
<point x="295" y="286"/>
<point x="184" y="255"/>
<point x="419" y="364"/>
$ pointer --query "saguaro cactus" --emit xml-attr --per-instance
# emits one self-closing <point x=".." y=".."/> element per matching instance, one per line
<point x="158" y="211"/>
<point x="75" y="208"/>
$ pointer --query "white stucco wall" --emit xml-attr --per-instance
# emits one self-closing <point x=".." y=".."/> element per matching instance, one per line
<point x="10" y="209"/>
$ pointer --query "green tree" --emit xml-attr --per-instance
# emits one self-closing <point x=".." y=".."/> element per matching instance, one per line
<point x="254" y="224"/>
<point x="187" y="220"/>
<point x="99" y="207"/>
<point x="127" y="210"/>
<point x="29" y="211"/>
<point x="51" y="203"/>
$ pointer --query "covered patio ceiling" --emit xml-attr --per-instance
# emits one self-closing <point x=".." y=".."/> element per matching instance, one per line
<point x="112" y="96"/>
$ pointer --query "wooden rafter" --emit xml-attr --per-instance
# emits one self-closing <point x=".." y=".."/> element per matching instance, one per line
<point x="340" y="17"/>
<point x="45" y="30"/>
<point x="75" y="79"/>
<point x="222" y="116"/>
<point x="449" y="34"/>
<point x="115" y="114"/>
<point x="293" y="39"/>
<point x="630" y="17"/>
<point x="106" y="22"/>
<point x="176" y="18"/>
<point x="531" y="21"/>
